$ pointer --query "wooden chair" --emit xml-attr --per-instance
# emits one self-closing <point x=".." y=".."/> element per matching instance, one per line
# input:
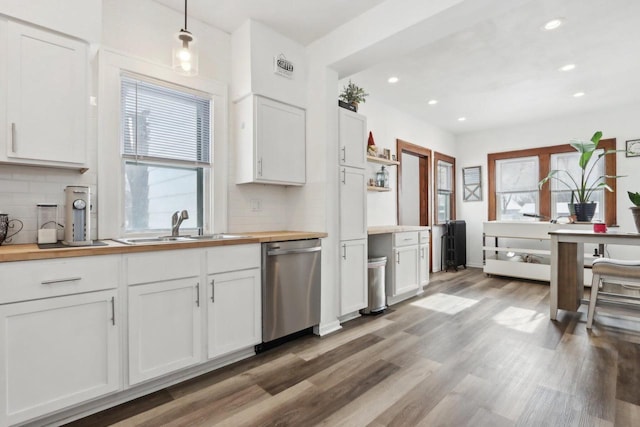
<point x="606" y="269"/>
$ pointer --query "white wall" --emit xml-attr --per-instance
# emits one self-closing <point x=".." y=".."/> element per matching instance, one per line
<point x="620" y="123"/>
<point x="388" y="124"/>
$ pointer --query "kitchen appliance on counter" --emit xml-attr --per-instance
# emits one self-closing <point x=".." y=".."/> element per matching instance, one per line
<point x="290" y="289"/>
<point x="77" y="225"/>
<point x="47" y="223"/>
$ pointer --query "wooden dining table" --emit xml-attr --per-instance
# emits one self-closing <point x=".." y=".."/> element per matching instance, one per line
<point x="567" y="264"/>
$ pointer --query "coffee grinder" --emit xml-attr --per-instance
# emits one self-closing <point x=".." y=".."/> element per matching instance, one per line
<point x="77" y="226"/>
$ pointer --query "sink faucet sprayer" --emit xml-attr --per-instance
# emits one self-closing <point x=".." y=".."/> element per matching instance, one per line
<point x="176" y="220"/>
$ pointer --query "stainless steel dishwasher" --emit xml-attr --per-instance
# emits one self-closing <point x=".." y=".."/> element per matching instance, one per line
<point x="290" y="287"/>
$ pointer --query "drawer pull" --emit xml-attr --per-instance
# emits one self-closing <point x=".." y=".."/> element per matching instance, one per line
<point x="53" y="282"/>
<point x="13" y="137"/>
<point x="113" y="311"/>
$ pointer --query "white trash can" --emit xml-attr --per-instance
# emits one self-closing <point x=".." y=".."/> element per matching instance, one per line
<point x="376" y="285"/>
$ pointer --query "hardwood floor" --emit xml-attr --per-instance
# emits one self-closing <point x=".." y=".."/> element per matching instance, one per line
<point x="472" y="351"/>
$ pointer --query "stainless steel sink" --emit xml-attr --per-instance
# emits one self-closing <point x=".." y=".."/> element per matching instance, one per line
<point x="219" y="236"/>
<point x="176" y="239"/>
<point x="150" y="240"/>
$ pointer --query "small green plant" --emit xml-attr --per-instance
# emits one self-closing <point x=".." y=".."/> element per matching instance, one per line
<point x="634" y="197"/>
<point x="580" y="190"/>
<point x="352" y="94"/>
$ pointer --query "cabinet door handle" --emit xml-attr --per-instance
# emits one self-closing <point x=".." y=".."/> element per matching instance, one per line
<point x="398" y="258"/>
<point x="54" y="281"/>
<point x="344" y="176"/>
<point x="113" y="311"/>
<point x="421" y="252"/>
<point x="260" y="167"/>
<point x="13" y="137"/>
<point x="198" y="294"/>
<point x="344" y="153"/>
<point x="344" y="251"/>
<point x="213" y="290"/>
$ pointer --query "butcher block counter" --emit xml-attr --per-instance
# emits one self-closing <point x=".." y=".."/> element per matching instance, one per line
<point x="31" y="251"/>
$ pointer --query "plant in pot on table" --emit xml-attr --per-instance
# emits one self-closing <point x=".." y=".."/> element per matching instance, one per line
<point x="583" y="187"/>
<point x="635" y="210"/>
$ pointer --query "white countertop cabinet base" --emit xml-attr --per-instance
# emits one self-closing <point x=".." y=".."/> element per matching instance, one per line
<point x="57" y="352"/>
<point x="234" y="311"/>
<point x="353" y="276"/>
<point x="164" y="328"/>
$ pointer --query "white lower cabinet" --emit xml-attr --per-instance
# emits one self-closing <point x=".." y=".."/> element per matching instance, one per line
<point x="353" y="276"/>
<point x="424" y="265"/>
<point x="57" y="352"/>
<point x="405" y="268"/>
<point x="234" y="311"/>
<point x="164" y="328"/>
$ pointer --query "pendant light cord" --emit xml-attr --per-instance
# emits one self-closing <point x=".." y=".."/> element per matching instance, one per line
<point x="185" y="15"/>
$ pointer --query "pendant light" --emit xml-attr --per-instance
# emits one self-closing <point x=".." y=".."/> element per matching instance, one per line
<point x="185" y="52"/>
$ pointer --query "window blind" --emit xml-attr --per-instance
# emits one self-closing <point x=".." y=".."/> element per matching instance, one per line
<point x="162" y="123"/>
<point x="517" y="175"/>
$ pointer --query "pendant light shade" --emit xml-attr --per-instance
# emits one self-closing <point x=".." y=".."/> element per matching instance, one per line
<point x="185" y="50"/>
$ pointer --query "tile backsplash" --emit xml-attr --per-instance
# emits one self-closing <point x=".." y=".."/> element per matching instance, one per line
<point x="22" y="188"/>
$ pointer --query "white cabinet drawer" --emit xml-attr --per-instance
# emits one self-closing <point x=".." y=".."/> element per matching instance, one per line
<point x="424" y="237"/>
<point x="27" y="280"/>
<point x="232" y="257"/>
<point x="163" y="265"/>
<point x="405" y="238"/>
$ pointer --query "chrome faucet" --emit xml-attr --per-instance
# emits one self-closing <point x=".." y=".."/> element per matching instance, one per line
<point x="176" y="220"/>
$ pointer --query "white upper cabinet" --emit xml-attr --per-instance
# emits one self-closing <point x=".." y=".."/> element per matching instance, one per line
<point x="46" y="97"/>
<point x="353" y="202"/>
<point x="353" y="139"/>
<point x="271" y="142"/>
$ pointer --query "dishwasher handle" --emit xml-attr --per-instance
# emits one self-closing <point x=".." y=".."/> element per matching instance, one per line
<point x="293" y="251"/>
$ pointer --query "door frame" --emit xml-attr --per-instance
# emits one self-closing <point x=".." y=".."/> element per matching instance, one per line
<point x="425" y="155"/>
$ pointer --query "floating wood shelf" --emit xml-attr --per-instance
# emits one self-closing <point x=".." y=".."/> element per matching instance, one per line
<point x="380" y="189"/>
<point x="382" y="161"/>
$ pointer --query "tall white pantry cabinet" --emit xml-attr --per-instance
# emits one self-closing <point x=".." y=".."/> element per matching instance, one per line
<point x="353" y="212"/>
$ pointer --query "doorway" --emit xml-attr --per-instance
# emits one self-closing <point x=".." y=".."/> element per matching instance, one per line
<point x="414" y="171"/>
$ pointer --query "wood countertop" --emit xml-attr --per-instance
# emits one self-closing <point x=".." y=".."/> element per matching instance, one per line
<point x="382" y="229"/>
<point x="31" y="251"/>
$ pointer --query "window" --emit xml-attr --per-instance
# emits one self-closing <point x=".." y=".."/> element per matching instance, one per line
<point x="517" y="188"/>
<point x="166" y="146"/>
<point x="549" y="202"/>
<point x="445" y="188"/>
<point x="561" y="195"/>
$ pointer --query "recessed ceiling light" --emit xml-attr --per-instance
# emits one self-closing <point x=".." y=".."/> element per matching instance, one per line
<point x="432" y="102"/>
<point x="553" y="24"/>
<point x="578" y="94"/>
<point x="393" y="79"/>
<point x="568" y="67"/>
<point x="462" y="119"/>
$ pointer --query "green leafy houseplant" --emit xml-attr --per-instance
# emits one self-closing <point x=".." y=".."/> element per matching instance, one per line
<point x="635" y="210"/>
<point x="580" y="190"/>
<point x="353" y="94"/>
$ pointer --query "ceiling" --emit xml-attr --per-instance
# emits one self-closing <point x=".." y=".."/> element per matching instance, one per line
<point x="499" y="72"/>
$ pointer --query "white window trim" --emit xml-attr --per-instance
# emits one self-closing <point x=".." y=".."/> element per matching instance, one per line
<point x="110" y="163"/>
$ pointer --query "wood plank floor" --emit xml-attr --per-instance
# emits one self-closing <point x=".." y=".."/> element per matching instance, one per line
<point x="472" y="351"/>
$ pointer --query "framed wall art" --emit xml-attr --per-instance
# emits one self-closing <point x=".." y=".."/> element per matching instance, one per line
<point x="472" y="184"/>
<point x="633" y="148"/>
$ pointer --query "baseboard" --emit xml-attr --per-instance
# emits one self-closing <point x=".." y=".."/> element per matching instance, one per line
<point x="327" y="328"/>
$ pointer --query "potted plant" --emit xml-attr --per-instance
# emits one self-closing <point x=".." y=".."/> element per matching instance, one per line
<point x="635" y="210"/>
<point x="581" y="192"/>
<point x="353" y="95"/>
